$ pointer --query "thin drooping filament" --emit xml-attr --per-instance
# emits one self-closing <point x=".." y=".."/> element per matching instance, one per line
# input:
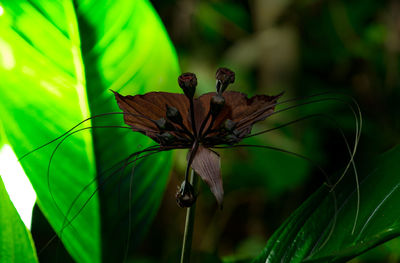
<point x="115" y="169"/>
<point x="358" y="126"/>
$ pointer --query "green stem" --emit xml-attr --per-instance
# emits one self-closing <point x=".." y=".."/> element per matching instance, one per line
<point x="189" y="223"/>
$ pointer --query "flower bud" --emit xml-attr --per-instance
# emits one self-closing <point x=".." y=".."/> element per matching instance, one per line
<point x="161" y="123"/>
<point x="217" y="103"/>
<point x="166" y="138"/>
<point x="228" y="125"/>
<point x="224" y="77"/>
<point x="236" y="132"/>
<point x="231" y="139"/>
<point x="185" y="197"/>
<point x="174" y="115"/>
<point x="188" y="83"/>
<point x="164" y="125"/>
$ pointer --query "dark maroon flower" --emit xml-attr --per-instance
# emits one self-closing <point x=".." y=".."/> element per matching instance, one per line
<point x="224" y="77"/>
<point x="188" y="83"/>
<point x="181" y="121"/>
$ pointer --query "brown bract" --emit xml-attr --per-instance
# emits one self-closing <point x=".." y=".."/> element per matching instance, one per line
<point x="147" y="114"/>
<point x="141" y="112"/>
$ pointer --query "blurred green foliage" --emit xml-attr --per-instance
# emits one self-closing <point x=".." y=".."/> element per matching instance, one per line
<point x="58" y="62"/>
<point x="321" y="229"/>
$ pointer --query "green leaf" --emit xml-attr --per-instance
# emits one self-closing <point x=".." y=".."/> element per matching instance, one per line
<point x="16" y="244"/>
<point x="58" y="60"/>
<point x="304" y="236"/>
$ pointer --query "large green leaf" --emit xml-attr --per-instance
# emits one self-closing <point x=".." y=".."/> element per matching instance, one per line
<point x="16" y="243"/>
<point x="58" y="60"/>
<point x="305" y="235"/>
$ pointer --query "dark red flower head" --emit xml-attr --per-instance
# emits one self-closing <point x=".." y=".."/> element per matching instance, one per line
<point x="224" y="77"/>
<point x="217" y="118"/>
<point x="188" y="83"/>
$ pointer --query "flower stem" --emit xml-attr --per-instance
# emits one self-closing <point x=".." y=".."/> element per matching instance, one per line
<point x="189" y="223"/>
<point x="192" y="118"/>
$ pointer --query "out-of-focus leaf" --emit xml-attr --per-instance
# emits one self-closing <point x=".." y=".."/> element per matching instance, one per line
<point x="293" y="168"/>
<point x="43" y="95"/>
<point x="387" y="252"/>
<point x="125" y="49"/>
<point x="305" y="235"/>
<point x="16" y="244"/>
<point x="246" y="250"/>
<point x="237" y="261"/>
<point x="58" y="61"/>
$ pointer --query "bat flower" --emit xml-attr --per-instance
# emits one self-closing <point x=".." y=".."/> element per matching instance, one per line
<point x="179" y="121"/>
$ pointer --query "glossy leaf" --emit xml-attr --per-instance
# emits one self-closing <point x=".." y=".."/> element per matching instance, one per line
<point x="304" y="236"/>
<point x="16" y="244"/>
<point x="58" y="61"/>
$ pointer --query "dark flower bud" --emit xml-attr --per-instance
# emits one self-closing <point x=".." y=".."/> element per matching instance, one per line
<point x="217" y="103"/>
<point x="231" y="139"/>
<point x="174" y="115"/>
<point x="188" y="83"/>
<point x="236" y="132"/>
<point x="228" y="125"/>
<point x="161" y="123"/>
<point x="185" y="197"/>
<point x="166" y="138"/>
<point x="164" y="125"/>
<point x="224" y="77"/>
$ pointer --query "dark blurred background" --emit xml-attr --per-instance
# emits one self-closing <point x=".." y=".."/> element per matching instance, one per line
<point x="303" y="48"/>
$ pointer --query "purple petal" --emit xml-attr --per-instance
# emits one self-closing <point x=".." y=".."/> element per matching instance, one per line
<point x="207" y="164"/>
